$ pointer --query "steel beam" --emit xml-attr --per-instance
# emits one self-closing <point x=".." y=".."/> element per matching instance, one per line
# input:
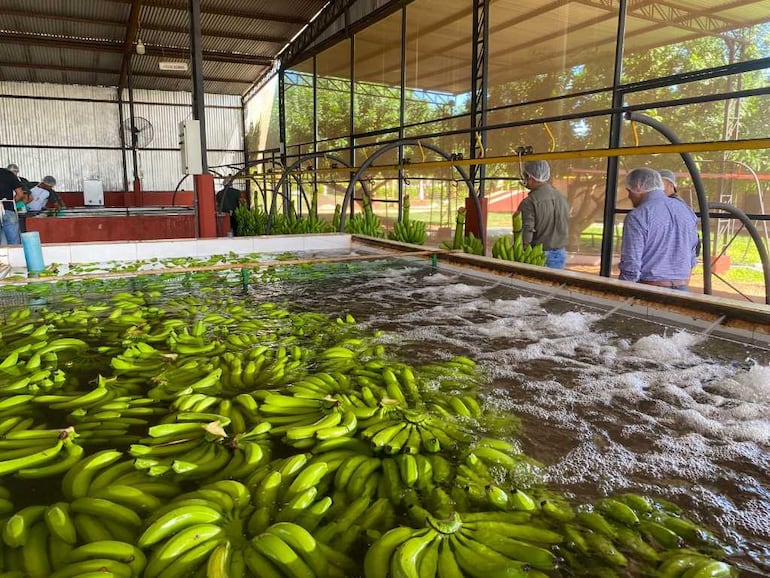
<point x="128" y="41"/>
<point x="251" y="15"/>
<point x="207" y="32"/>
<point x="332" y="12"/>
<point x="117" y="47"/>
<point x="112" y="71"/>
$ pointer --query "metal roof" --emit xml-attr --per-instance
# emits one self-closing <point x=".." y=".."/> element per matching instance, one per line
<point x="93" y="42"/>
<point x="530" y="37"/>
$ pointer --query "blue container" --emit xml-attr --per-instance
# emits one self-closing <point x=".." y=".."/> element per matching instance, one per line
<point x="33" y="252"/>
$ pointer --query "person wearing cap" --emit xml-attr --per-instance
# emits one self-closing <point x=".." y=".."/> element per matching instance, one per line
<point x="10" y="192"/>
<point x="669" y="183"/>
<point x="659" y="234"/>
<point x="40" y="194"/>
<point x="545" y="214"/>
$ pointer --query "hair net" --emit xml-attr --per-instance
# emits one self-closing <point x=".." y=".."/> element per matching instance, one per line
<point x="13" y="167"/>
<point x="644" y="179"/>
<point x="50" y="181"/>
<point x="668" y="175"/>
<point x="538" y="170"/>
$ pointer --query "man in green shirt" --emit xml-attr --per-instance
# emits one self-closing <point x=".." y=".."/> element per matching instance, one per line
<point x="545" y="214"/>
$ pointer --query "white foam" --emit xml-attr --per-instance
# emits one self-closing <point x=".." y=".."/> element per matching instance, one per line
<point x="672" y="349"/>
<point x="753" y="385"/>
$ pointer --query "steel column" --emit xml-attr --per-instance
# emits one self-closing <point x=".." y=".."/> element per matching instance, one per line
<point x="478" y="142"/>
<point x="121" y="119"/>
<point x="315" y="123"/>
<point x="352" y="124"/>
<point x="245" y="147"/>
<point x="134" y="153"/>
<point x="616" y="123"/>
<point x="402" y="115"/>
<point x="282" y="130"/>
<point x="196" y="57"/>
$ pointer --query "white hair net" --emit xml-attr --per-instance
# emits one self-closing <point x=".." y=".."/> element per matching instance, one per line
<point x="538" y="170"/>
<point x="50" y="181"/>
<point x="644" y="179"/>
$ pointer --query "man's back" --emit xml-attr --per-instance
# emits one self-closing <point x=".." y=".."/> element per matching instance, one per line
<point x="659" y="240"/>
<point x="548" y="211"/>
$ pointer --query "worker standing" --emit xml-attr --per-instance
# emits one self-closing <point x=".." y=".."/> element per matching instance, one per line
<point x="545" y="214"/>
<point x="10" y="192"/>
<point x="659" y="234"/>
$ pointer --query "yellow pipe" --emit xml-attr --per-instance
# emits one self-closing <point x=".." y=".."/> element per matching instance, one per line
<point x="736" y="145"/>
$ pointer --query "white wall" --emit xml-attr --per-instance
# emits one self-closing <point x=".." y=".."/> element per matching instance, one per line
<point x="57" y="120"/>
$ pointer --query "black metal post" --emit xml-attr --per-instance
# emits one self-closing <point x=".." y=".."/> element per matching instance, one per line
<point x="282" y="135"/>
<point x="616" y="123"/>
<point x="402" y="116"/>
<point x="479" y="94"/>
<point x="315" y="122"/>
<point x="198" y="96"/>
<point x="134" y="153"/>
<point x="122" y="120"/>
<point x="352" y="124"/>
<point x="245" y="148"/>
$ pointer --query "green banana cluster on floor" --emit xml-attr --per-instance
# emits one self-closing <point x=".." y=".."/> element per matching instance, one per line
<point x="249" y="440"/>
<point x="293" y="224"/>
<point x="250" y="222"/>
<point x="468" y="243"/>
<point x="366" y="222"/>
<point x="503" y="249"/>
<point x="406" y="230"/>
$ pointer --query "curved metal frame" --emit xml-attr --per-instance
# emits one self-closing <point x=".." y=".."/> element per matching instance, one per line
<point x="402" y="143"/>
<point x="763" y="256"/>
<point x="703" y="205"/>
<point x="290" y="170"/>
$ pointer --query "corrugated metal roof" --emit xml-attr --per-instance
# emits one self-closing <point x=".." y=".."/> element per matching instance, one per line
<point x="71" y="42"/>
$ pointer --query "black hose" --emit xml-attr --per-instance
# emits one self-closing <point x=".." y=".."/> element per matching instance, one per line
<point x="763" y="256"/>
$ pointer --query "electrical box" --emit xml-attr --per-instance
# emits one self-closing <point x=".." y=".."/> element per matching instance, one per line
<point x="93" y="193"/>
<point x="190" y="147"/>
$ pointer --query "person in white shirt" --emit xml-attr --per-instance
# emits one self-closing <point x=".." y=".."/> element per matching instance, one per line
<point x="40" y="193"/>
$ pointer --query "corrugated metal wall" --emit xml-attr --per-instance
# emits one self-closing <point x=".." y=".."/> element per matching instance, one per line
<point x="62" y="117"/>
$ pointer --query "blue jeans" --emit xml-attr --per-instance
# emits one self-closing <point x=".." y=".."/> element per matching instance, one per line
<point x="11" y="227"/>
<point x="556" y="258"/>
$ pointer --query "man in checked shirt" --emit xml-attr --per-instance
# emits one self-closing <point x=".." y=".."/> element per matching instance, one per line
<point x="659" y="234"/>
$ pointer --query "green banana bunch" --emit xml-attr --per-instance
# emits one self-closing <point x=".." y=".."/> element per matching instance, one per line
<point x="42" y="541"/>
<point x="459" y="234"/>
<point x="473" y="245"/>
<point x="37" y="453"/>
<point x="504" y="249"/>
<point x="199" y="529"/>
<point x="457" y="545"/>
<point x="290" y="490"/>
<point x="286" y="549"/>
<point x="366" y="223"/>
<point x="191" y="447"/>
<point x="406" y="230"/>
<point x="250" y="222"/>
<point x="337" y="218"/>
